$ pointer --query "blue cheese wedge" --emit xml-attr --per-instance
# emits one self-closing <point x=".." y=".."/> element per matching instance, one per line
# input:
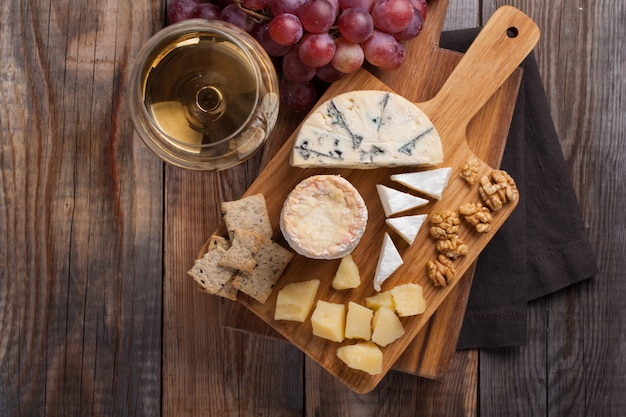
<point x="323" y="217"/>
<point x="388" y="262"/>
<point x="367" y="129"/>
<point x="407" y="226"/>
<point x="431" y="183"/>
<point x="395" y="201"/>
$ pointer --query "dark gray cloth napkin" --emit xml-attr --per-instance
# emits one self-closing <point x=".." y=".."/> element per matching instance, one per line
<point x="543" y="246"/>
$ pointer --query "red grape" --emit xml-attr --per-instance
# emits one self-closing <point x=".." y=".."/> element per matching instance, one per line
<point x="294" y="69"/>
<point x="414" y="28"/>
<point x="262" y="35"/>
<point x="317" y="49"/>
<point x="396" y="60"/>
<point x="286" y="29"/>
<point x="348" y="56"/>
<point x="317" y="16"/>
<point x="420" y="5"/>
<point x="297" y="97"/>
<point x="206" y="11"/>
<point x="355" y="24"/>
<point x="328" y="73"/>
<point x="255" y="4"/>
<point x="181" y="10"/>
<point x="392" y="16"/>
<point x="286" y="6"/>
<point x="233" y="14"/>
<point x="380" y="48"/>
<point x="363" y="4"/>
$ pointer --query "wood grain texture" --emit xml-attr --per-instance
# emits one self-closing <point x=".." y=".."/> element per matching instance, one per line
<point x="574" y="363"/>
<point x="81" y="210"/>
<point x="83" y="291"/>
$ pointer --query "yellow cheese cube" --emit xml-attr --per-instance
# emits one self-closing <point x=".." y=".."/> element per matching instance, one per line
<point x="409" y="299"/>
<point x="329" y="321"/>
<point x="381" y="299"/>
<point x="364" y="356"/>
<point x="387" y="327"/>
<point x="358" y="322"/>
<point x="347" y="275"/>
<point x="295" y="300"/>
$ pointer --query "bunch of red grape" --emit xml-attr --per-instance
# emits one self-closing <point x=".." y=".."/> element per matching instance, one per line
<point x="317" y="39"/>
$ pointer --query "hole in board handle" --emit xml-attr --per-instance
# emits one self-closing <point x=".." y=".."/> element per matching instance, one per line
<point x="512" y="32"/>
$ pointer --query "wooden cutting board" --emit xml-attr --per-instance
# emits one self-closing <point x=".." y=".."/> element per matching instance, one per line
<point x="424" y="71"/>
<point x="501" y="46"/>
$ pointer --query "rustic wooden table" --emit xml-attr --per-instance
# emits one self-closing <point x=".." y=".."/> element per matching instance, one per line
<point x="96" y="235"/>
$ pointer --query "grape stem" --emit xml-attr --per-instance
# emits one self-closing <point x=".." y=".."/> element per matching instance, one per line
<point x="258" y="17"/>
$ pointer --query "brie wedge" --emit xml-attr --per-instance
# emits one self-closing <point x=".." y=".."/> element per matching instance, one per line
<point x="388" y="262"/>
<point x="366" y="129"/>
<point x="407" y="226"/>
<point x="395" y="201"/>
<point x="430" y="183"/>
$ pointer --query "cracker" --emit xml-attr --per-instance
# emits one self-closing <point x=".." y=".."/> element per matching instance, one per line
<point x="228" y="291"/>
<point x="208" y="273"/>
<point x="245" y="246"/>
<point x="249" y="213"/>
<point x="218" y="241"/>
<point x="271" y="261"/>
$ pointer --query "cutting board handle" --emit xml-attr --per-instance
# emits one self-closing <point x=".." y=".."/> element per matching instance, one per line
<point x="433" y="25"/>
<point x="500" y="47"/>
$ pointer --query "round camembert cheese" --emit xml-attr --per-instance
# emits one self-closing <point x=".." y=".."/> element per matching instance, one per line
<point x="323" y="217"/>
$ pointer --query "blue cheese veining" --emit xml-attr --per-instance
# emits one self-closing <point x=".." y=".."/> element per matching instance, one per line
<point x="367" y="129"/>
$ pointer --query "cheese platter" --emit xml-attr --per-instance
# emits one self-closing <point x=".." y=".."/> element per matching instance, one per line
<point x="502" y="44"/>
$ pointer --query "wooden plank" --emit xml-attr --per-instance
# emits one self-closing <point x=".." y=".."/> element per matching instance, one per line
<point x="399" y="394"/>
<point x="206" y="368"/>
<point x="80" y="307"/>
<point x="574" y="362"/>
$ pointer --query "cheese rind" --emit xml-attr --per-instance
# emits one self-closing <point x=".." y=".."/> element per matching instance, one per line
<point x="367" y="129"/>
<point x="323" y="217"/>
<point x="396" y="201"/>
<point x="431" y="182"/>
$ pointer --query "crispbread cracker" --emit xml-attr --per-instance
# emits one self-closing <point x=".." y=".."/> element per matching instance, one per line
<point x="243" y="250"/>
<point x="207" y="272"/>
<point x="271" y="261"/>
<point x="228" y="291"/>
<point x="218" y="241"/>
<point x="249" y="213"/>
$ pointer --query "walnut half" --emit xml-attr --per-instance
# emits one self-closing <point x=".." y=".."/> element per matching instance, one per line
<point x="497" y="189"/>
<point x="444" y="224"/>
<point x="441" y="271"/>
<point x="477" y="215"/>
<point x="469" y="171"/>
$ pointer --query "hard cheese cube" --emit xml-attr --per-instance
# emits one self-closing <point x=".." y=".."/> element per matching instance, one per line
<point x="295" y="300"/>
<point x="382" y="299"/>
<point x="347" y="275"/>
<point x="329" y="320"/>
<point x="387" y="327"/>
<point x="409" y="299"/>
<point x="358" y="322"/>
<point x="364" y="356"/>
